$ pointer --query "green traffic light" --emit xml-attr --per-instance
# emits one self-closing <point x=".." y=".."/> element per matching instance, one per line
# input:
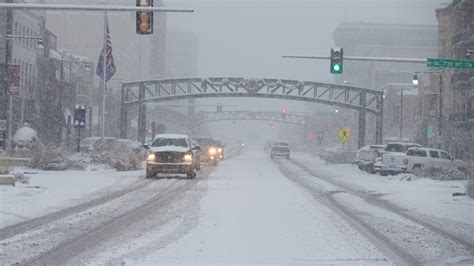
<point x="336" y="67"/>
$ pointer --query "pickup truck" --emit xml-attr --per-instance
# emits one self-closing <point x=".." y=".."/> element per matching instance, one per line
<point x="393" y="157"/>
<point x="425" y="157"/>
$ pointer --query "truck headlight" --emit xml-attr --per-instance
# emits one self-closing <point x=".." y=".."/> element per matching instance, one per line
<point x="212" y="151"/>
<point x="219" y="150"/>
<point x="151" y="157"/>
<point x="188" y="157"/>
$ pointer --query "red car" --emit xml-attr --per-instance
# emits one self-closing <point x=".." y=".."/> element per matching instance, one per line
<point x="280" y="149"/>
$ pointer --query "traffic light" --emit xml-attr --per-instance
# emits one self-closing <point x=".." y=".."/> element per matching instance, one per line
<point x="283" y="112"/>
<point x="144" y="19"/>
<point x="80" y="116"/>
<point x="337" y="55"/>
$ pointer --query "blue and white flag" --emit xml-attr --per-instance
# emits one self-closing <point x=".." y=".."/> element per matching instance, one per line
<point x="110" y="66"/>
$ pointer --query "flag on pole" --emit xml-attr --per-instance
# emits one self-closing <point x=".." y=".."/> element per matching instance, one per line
<point x="110" y="65"/>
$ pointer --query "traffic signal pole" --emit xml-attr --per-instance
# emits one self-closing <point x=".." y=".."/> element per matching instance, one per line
<point x="364" y="58"/>
<point x="102" y="8"/>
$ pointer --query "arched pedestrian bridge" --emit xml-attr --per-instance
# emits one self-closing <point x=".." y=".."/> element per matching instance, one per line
<point x="139" y="93"/>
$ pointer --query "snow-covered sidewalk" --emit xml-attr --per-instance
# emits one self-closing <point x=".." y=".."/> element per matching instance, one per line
<point x="424" y="196"/>
<point x="50" y="191"/>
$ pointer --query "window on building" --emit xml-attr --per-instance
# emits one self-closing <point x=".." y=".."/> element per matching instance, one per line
<point x="396" y="113"/>
<point x="23" y="33"/>
<point x="28" y="30"/>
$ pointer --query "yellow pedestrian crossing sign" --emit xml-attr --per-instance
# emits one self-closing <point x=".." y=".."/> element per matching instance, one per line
<point x="344" y="134"/>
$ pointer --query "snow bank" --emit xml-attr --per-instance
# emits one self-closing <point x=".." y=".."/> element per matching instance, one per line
<point x="444" y="174"/>
<point x="118" y="156"/>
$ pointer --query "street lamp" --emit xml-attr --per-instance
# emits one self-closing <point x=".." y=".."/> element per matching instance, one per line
<point x="415" y="80"/>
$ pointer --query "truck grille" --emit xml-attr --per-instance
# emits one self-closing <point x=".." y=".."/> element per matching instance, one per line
<point x="169" y="157"/>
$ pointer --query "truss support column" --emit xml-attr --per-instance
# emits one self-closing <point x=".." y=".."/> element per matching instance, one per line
<point x="362" y="119"/>
<point x="123" y="115"/>
<point x="141" y="131"/>
<point x="191" y="116"/>
<point x="379" y="121"/>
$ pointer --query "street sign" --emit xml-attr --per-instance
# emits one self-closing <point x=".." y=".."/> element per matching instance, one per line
<point x="429" y="133"/>
<point x="3" y="125"/>
<point x="449" y="63"/>
<point x="344" y="134"/>
<point x="13" y="80"/>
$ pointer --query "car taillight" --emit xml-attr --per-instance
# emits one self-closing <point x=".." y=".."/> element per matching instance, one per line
<point x="405" y="161"/>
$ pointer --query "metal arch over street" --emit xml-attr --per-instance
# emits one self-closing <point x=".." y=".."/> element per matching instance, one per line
<point x="206" y="117"/>
<point x="364" y="100"/>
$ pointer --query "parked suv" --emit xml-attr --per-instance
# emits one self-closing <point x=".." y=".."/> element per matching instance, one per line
<point x="172" y="153"/>
<point x="425" y="157"/>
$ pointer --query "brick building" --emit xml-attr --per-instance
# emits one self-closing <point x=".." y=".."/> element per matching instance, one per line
<point x="456" y="38"/>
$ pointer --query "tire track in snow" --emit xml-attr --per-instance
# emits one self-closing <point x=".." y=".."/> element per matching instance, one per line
<point x="67" y="250"/>
<point x="31" y="224"/>
<point x="387" y="246"/>
<point x="377" y="201"/>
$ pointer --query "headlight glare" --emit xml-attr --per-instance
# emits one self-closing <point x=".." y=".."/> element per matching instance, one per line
<point x="219" y="150"/>
<point x="212" y="151"/>
<point x="151" y="157"/>
<point x="188" y="157"/>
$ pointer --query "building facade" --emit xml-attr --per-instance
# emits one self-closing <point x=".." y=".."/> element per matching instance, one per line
<point x="20" y="32"/>
<point x="384" y="40"/>
<point x="456" y="41"/>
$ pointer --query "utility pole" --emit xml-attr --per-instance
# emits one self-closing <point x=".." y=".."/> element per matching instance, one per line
<point x="440" y="109"/>
<point x="401" y="113"/>
<point x="7" y="63"/>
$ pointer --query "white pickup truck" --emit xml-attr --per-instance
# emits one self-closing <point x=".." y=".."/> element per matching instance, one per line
<point x="393" y="157"/>
<point x="425" y="157"/>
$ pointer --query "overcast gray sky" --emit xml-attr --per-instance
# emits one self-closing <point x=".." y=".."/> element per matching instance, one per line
<point x="247" y="38"/>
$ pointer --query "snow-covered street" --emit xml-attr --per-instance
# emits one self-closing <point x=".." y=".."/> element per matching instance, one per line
<point x="249" y="209"/>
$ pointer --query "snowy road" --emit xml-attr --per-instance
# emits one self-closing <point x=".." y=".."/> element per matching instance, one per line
<point x="248" y="209"/>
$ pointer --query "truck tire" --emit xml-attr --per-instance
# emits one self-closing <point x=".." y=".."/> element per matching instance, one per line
<point x="150" y="173"/>
<point x="191" y="175"/>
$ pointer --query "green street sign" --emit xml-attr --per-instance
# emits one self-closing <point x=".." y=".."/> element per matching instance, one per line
<point x="429" y="133"/>
<point x="449" y="63"/>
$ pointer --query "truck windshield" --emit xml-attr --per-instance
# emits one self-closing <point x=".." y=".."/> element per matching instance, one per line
<point x="169" y="142"/>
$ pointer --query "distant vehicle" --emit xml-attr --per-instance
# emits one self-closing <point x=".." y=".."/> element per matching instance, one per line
<point x="280" y="149"/>
<point x="367" y="156"/>
<point x="172" y="153"/>
<point x="220" y="149"/>
<point x="393" y="156"/>
<point x="425" y="157"/>
<point x="209" y="150"/>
